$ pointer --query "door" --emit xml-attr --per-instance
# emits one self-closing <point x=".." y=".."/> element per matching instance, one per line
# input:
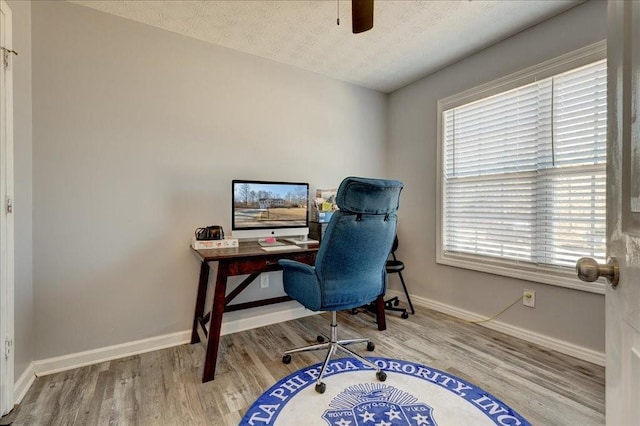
<point x="622" y="299"/>
<point x="623" y="213"/>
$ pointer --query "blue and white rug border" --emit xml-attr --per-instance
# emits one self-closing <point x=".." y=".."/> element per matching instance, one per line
<point x="289" y="386"/>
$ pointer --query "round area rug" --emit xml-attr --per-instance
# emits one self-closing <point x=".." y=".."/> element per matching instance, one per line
<point x="413" y="394"/>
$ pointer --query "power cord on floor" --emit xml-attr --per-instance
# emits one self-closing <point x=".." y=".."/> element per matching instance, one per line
<point x="498" y="314"/>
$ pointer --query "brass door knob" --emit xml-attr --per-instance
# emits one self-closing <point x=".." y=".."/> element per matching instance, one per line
<point x="589" y="270"/>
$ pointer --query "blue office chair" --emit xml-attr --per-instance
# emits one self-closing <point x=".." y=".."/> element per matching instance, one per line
<point x="350" y="264"/>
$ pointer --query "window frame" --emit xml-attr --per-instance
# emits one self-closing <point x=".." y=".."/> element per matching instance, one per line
<point x="522" y="270"/>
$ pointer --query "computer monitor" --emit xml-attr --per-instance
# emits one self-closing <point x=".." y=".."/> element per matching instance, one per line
<point x="263" y="209"/>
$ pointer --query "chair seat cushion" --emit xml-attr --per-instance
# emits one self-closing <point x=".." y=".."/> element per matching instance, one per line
<point x="394" y="266"/>
<point x="348" y="295"/>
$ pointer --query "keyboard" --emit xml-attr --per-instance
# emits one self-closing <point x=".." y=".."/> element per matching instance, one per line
<point x="299" y="241"/>
<point x="281" y="248"/>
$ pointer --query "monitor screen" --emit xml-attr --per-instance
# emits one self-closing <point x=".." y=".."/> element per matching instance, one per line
<point x="263" y="209"/>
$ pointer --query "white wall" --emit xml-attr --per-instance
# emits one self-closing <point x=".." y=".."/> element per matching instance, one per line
<point x="23" y="339"/>
<point x="137" y="134"/>
<point x="574" y="317"/>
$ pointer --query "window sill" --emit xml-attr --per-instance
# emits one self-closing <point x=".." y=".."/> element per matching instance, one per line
<point x="524" y="271"/>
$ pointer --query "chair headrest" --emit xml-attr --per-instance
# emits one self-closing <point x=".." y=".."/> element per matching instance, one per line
<point x="369" y="196"/>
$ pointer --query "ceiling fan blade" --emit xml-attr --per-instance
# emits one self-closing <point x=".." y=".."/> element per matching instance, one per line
<point x="362" y="15"/>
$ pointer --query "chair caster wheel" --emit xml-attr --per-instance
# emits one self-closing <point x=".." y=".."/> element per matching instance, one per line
<point x="396" y="302"/>
<point x="371" y="346"/>
<point x="354" y="311"/>
<point x="321" y="387"/>
<point x="320" y="339"/>
<point x="286" y="359"/>
<point x="405" y="315"/>
<point x="381" y="375"/>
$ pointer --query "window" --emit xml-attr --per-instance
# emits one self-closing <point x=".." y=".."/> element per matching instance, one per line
<point x="522" y="172"/>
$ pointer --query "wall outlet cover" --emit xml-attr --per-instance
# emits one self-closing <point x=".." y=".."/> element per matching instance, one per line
<point x="529" y="298"/>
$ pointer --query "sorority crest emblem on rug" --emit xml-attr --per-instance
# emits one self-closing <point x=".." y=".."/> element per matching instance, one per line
<point x="379" y="404"/>
<point x="412" y="395"/>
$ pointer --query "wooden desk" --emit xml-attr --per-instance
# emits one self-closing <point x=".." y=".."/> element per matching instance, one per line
<point x="248" y="259"/>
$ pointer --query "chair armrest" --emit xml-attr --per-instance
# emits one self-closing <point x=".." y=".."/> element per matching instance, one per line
<point x="293" y="266"/>
<point x="301" y="283"/>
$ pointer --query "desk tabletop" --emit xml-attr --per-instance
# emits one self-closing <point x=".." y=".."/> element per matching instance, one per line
<point x="250" y="249"/>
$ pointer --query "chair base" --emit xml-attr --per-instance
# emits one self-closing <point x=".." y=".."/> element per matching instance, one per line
<point x="389" y="305"/>
<point x="392" y="305"/>
<point x="332" y="347"/>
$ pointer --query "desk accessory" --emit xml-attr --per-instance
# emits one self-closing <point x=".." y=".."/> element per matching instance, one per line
<point x="214" y="244"/>
<point x="213" y="232"/>
<point x="269" y="242"/>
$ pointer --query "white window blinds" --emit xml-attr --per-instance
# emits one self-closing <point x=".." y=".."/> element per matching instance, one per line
<point x="523" y="174"/>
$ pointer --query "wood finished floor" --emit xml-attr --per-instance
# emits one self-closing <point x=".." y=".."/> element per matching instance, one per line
<point x="164" y="388"/>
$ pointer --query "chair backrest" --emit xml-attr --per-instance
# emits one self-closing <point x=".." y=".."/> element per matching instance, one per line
<point x="350" y="263"/>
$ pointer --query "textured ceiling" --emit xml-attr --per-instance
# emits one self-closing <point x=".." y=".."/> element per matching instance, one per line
<point x="410" y="39"/>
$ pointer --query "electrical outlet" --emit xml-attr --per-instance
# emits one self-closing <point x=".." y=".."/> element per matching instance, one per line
<point x="264" y="280"/>
<point x="529" y="298"/>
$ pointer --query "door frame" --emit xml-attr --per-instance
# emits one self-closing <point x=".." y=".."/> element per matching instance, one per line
<point x="6" y="215"/>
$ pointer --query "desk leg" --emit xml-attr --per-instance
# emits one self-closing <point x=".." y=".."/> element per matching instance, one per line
<point x="203" y="281"/>
<point x="382" y="321"/>
<point x="216" y="322"/>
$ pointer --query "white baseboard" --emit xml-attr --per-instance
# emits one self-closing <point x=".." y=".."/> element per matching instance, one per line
<point x="266" y="315"/>
<point x="233" y="322"/>
<point x="589" y="355"/>
<point x="24" y="382"/>
<point x="80" y="359"/>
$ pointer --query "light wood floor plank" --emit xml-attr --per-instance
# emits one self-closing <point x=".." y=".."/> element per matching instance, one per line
<point x="164" y="387"/>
